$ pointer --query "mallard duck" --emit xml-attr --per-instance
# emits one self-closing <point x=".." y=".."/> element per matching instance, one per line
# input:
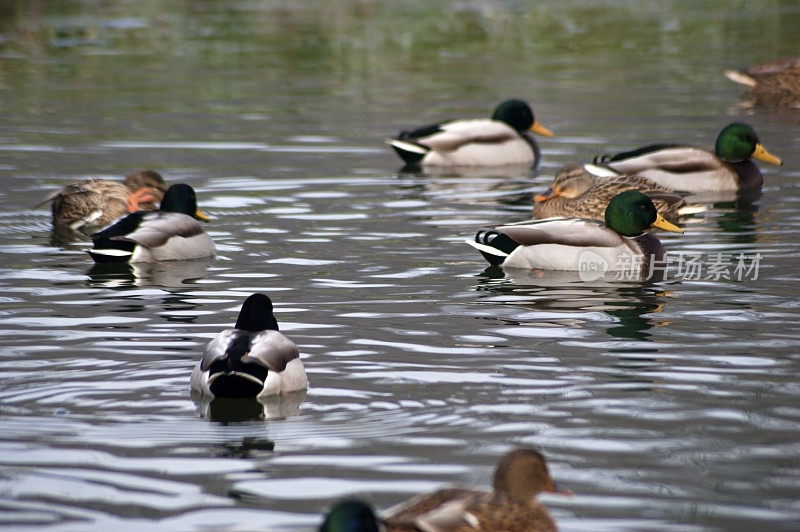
<point x="500" y="140"/>
<point x="170" y="233"/>
<point x="582" y="191"/>
<point x="777" y="82"/>
<point x="690" y="169"/>
<point x="351" y="515"/>
<point x="566" y="243"/>
<point x="519" y="477"/>
<point x="92" y="204"/>
<point x="251" y="360"/>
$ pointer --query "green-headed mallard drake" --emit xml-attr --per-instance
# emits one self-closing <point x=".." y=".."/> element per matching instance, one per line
<point x="564" y="243"/>
<point x="351" y="515"/>
<point x="251" y="360"/>
<point x="690" y="169"/>
<point x="775" y="83"/>
<point x="519" y="477"/>
<point x="501" y="140"/>
<point x="92" y="204"/>
<point x="170" y="233"/>
<point x="583" y="191"/>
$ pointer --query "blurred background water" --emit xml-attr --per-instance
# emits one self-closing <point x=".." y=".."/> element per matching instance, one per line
<point x="662" y="406"/>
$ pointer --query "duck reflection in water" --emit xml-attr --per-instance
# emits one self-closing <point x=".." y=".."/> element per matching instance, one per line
<point x="225" y="410"/>
<point x="172" y="274"/>
<point x="507" y="185"/>
<point x="630" y="305"/>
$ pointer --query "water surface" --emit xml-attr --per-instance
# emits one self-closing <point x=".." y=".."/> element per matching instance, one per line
<point x="662" y="406"/>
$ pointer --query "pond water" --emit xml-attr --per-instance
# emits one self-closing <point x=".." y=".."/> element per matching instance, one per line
<point x="662" y="406"/>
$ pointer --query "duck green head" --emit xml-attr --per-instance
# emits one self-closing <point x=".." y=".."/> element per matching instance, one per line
<point x="519" y="115"/>
<point x="350" y="516"/>
<point x="738" y="142"/>
<point x="181" y="198"/>
<point x="631" y="213"/>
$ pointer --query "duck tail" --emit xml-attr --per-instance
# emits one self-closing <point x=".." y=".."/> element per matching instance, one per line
<point x="740" y="78"/>
<point x="493" y="245"/>
<point x="410" y="152"/>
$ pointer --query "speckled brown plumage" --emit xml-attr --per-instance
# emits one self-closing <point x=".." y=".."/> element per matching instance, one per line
<point x="774" y="83"/>
<point x="577" y="193"/>
<point x="520" y="475"/>
<point x="89" y="205"/>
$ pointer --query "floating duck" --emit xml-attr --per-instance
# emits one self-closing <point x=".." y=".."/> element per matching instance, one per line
<point x="92" y="204"/>
<point x="501" y="140"/>
<point x="584" y="190"/>
<point x="511" y="506"/>
<point x="775" y="83"/>
<point x="690" y="169"/>
<point x="251" y="360"/>
<point x="566" y="243"/>
<point x="170" y="233"/>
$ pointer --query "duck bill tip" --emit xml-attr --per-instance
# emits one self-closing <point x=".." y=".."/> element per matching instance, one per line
<point x="762" y="154"/>
<point x="539" y="129"/>
<point x="664" y="225"/>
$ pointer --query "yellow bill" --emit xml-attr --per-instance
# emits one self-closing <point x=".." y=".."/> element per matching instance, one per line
<point x="541" y="130"/>
<point x="202" y="216"/>
<point x="762" y="154"/>
<point x="661" y="223"/>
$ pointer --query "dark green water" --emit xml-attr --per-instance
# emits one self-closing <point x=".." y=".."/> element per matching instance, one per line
<point x="669" y="406"/>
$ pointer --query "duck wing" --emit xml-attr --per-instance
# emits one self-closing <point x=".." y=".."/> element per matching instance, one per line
<point x="269" y="349"/>
<point x="272" y="350"/>
<point x="671" y="158"/>
<point x="453" y="135"/>
<point x="580" y="232"/>
<point x="154" y="228"/>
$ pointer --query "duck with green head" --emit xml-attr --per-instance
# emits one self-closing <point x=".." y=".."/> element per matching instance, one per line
<point x="503" y="139"/>
<point x="563" y="243"/>
<point x="691" y="169"/>
<point x="170" y="233"/>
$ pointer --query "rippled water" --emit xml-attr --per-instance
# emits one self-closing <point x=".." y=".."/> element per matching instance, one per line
<point x="662" y="406"/>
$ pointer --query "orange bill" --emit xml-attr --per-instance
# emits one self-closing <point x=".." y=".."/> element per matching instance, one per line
<point x="541" y="130"/>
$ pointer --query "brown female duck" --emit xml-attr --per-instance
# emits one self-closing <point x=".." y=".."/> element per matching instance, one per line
<point x="89" y="205"/>
<point x="584" y="191"/>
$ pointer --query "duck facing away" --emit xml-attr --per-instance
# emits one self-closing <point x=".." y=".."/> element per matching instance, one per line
<point x="252" y="360"/>
<point x="577" y="192"/>
<point x="566" y="243"/>
<point x="504" y="139"/>
<point x="170" y="233"/>
<point x="92" y="204"/>
<point x="774" y="83"/>
<point x="691" y="169"/>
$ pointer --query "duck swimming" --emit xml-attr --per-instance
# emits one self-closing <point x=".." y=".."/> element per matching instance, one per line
<point x="92" y="204"/>
<point x="773" y="83"/>
<point x="251" y="360"/>
<point x="563" y="243"/>
<point x="503" y="139"/>
<point x="510" y="506"/>
<point x="578" y="192"/>
<point x="170" y="233"/>
<point x="691" y="169"/>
